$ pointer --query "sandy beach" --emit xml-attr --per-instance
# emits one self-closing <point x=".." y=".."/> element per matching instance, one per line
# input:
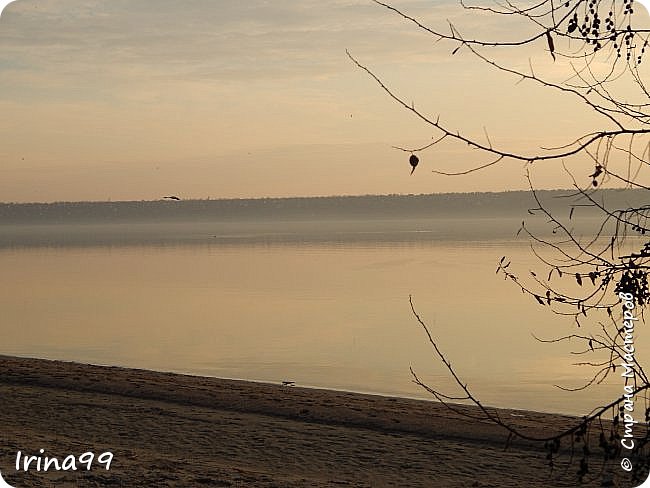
<point x="176" y="430"/>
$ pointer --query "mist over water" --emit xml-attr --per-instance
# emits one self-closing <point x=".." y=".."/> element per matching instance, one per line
<point x="321" y="300"/>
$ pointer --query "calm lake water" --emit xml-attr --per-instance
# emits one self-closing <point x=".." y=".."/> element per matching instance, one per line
<point x="247" y="302"/>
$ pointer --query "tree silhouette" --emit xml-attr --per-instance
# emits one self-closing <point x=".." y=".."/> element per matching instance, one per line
<point x="600" y="281"/>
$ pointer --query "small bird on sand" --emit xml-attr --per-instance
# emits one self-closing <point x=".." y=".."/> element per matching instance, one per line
<point x="413" y="160"/>
<point x="171" y="197"/>
<point x="288" y="383"/>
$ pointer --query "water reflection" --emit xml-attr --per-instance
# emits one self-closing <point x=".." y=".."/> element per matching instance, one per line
<point x="331" y="313"/>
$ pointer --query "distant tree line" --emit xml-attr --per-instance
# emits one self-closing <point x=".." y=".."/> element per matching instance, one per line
<point x="366" y="206"/>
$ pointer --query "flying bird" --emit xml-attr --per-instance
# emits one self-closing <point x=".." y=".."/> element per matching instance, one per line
<point x="171" y="197"/>
<point x="414" y="160"/>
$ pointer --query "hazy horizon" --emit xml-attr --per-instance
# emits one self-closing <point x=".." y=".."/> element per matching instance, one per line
<point x="315" y="197"/>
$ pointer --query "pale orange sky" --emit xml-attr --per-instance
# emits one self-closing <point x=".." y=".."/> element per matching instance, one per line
<point x="124" y="100"/>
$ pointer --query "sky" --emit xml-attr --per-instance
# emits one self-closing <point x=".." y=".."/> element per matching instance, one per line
<point x="138" y="99"/>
